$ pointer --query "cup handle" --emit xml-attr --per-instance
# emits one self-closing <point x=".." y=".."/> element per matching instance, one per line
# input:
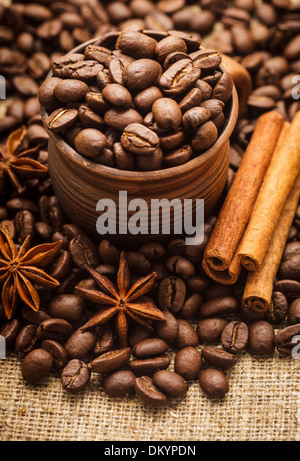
<point x="241" y="78"/>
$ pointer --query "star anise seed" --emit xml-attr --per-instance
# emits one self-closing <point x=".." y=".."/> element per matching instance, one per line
<point x="21" y="269"/>
<point x="119" y="300"/>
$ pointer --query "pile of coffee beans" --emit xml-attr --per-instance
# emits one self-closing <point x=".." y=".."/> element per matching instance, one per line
<point x="139" y="100"/>
<point x="206" y="331"/>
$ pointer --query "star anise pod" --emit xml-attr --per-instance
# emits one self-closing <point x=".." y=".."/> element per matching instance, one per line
<point x="119" y="301"/>
<point x="15" y="160"/>
<point x="20" y="269"/>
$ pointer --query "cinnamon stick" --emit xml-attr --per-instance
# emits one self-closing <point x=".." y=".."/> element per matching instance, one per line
<point x="277" y="184"/>
<point x="241" y="197"/>
<point x="259" y="286"/>
<point x="228" y="276"/>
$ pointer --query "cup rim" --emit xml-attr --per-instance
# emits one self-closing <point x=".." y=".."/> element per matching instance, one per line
<point x="143" y="176"/>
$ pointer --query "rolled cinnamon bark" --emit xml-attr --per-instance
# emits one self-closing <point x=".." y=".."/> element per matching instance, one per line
<point x="259" y="286"/>
<point x="241" y="197"/>
<point x="228" y="276"/>
<point x="277" y="184"/>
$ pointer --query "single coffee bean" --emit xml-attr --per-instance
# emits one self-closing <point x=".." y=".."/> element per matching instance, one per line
<point x="149" y="348"/>
<point x="169" y="45"/>
<point x="9" y="331"/>
<point x="167" y="113"/>
<point x="117" y="95"/>
<point x="287" y="339"/>
<point x="167" y="330"/>
<point x="146" y="390"/>
<point x="180" y="266"/>
<point x="290" y="269"/>
<point x="105" y="340"/>
<point x="97" y="53"/>
<point x="119" y="383"/>
<point x="90" y="142"/>
<point x="57" y="351"/>
<point x="206" y="60"/>
<point x="213" y="383"/>
<point x="194" y="117"/>
<point x="290" y="288"/>
<point x="234" y="337"/>
<point x="278" y="308"/>
<point x="187" y="335"/>
<point x="261" y="338"/>
<point x="192" y="99"/>
<point x="179" y="78"/>
<point x="75" y="376"/>
<point x="136" y="44"/>
<point x="96" y="102"/>
<point x="71" y="90"/>
<point x="35" y="317"/>
<point x="218" y="357"/>
<point x="110" y="361"/>
<point x="171" y="293"/>
<point x="178" y="156"/>
<point x="125" y="160"/>
<point x="61" y="119"/>
<point x="149" y="365"/>
<point x="26" y="339"/>
<point x="90" y="119"/>
<point x="62" y="266"/>
<point x="141" y="74"/>
<point x="137" y="333"/>
<point x="218" y="306"/>
<point x="84" y="252"/>
<point x="188" y="363"/>
<point x="205" y="137"/>
<point x="54" y="328"/>
<point x="25" y="225"/>
<point x="170" y="383"/>
<point x="139" y="139"/>
<point x="293" y="316"/>
<point x="145" y="99"/>
<point x="209" y="330"/>
<point x="80" y="343"/>
<point x="119" y="118"/>
<point x="150" y="162"/>
<point x="36" y="366"/>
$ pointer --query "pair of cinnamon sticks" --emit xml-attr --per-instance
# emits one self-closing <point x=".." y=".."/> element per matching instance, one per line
<point x="253" y="225"/>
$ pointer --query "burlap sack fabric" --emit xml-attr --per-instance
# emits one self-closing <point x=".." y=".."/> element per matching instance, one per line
<point x="263" y="404"/>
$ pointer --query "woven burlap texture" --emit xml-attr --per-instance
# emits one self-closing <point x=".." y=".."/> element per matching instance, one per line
<point x="262" y="404"/>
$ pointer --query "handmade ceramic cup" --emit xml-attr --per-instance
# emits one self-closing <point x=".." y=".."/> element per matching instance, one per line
<point x="80" y="183"/>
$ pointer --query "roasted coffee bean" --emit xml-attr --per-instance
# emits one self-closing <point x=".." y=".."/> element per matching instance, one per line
<point x="136" y="44"/>
<point x="167" y="113"/>
<point x="213" y="383"/>
<point x="171" y="293"/>
<point x="141" y="74"/>
<point x="61" y="119"/>
<point x="84" y="252"/>
<point x="26" y="339"/>
<point x="137" y="333"/>
<point x="75" y="376"/>
<point x="105" y="340"/>
<point x="35" y="317"/>
<point x="171" y="383"/>
<point x="9" y="331"/>
<point x="90" y="118"/>
<point x="287" y="339"/>
<point x="97" y="53"/>
<point x="261" y="338"/>
<point x="57" y="351"/>
<point x="234" y="337"/>
<point x="62" y="266"/>
<point x="117" y="95"/>
<point x="209" y="330"/>
<point x="110" y="361"/>
<point x="290" y="288"/>
<point x="119" y="118"/>
<point x="278" y="308"/>
<point x="290" y="269"/>
<point x="138" y="264"/>
<point x="180" y="266"/>
<point x="25" y="85"/>
<point x="90" y="142"/>
<point x="293" y="316"/>
<point x="178" y="156"/>
<point x="167" y="330"/>
<point x="192" y="99"/>
<point x="187" y="336"/>
<point x="205" y="137"/>
<point x="54" y="328"/>
<point x="80" y="343"/>
<point x="25" y="225"/>
<point x="188" y="363"/>
<point x="150" y="162"/>
<point x="191" y="306"/>
<point x="149" y="365"/>
<point x="119" y="383"/>
<point x="125" y="160"/>
<point x="195" y="117"/>
<point x="169" y="45"/>
<point x="218" y="306"/>
<point x="145" y="99"/>
<point x="149" y="348"/>
<point x="146" y="390"/>
<point x="96" y="102"/>
<point x="139" y="139"/>
<point x="36" y="365"/>
<point x="218" y="357"/>
<point x="179" y="78"/>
